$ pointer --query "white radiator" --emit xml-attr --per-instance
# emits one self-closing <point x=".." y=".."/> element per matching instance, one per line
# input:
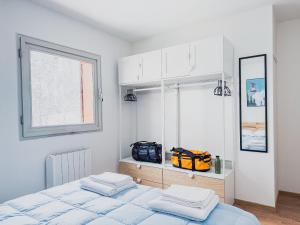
<point x="66" y="167"/>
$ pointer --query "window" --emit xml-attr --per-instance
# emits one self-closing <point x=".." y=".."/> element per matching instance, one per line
<point x="61" y="89"/>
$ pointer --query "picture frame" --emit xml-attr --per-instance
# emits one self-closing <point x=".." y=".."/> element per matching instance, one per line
<point x="253" y="103"/>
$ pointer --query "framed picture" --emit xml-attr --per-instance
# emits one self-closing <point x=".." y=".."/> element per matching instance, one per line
<point x="253" y="103"/>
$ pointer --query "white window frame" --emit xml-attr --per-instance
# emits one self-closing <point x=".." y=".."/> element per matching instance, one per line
<point x="25" y="45"/>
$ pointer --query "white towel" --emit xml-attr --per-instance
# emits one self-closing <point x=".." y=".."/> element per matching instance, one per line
<point x="114" y="180"/>
<point x="188" y="196"/>
<point x="103" y="189"/>
<point x="201" y="204"/>
<point x="196" y="214"/>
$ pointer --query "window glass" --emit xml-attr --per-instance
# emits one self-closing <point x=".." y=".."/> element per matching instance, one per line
<point x="58" y="89"/>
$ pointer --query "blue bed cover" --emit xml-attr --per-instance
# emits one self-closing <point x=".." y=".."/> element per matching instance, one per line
<point x="68" y="204"/>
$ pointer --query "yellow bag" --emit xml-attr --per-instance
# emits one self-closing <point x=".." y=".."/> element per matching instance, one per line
<point x="191" y="159"/>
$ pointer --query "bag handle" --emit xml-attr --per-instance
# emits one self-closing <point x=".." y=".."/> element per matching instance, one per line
<point x="143" y="142"/>
<point x="184" y="151"/>
<point x="181" y="151"/>
<point x="190" y="154"/>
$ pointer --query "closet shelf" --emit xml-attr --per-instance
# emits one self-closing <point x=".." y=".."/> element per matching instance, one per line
<point x="195" y="79"/>
<point x="131" y="160"/>
<point x="177" y="80"/>
<point x="147" y="84"/>
<point x="168" y="166"/>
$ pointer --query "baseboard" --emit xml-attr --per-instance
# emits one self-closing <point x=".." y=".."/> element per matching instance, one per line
<point x="246" y="203"/>
<point x="292" y="194"/>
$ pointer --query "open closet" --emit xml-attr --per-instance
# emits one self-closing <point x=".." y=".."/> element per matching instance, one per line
<point x="181" y="96"/>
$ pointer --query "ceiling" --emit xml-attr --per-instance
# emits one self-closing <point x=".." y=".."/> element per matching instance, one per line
<point x="134" y="20"/>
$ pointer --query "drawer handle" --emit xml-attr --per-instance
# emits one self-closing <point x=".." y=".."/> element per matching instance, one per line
<point x="138" y="166"/>
<point x="192" y="176"/>
<point x="138" y="180"/>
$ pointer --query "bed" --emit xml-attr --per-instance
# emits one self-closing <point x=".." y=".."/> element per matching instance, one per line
<point x="68" y="204"/>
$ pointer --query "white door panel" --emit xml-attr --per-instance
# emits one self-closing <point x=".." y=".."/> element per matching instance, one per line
<point x="176" y="61"/>
<point x="129" y="69"/>
<point x="151" y="66"/>
<point x="207" y="56"/>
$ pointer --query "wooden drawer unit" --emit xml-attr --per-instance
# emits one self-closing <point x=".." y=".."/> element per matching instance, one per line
<point x="162" y="178"/>
<point x="189" y="179"/>
<point x="146" y="174"/>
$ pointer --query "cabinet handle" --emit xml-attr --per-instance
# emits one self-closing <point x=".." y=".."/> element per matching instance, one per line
<point x="138" y="166"/>
<point x="166" y="64"/>
<point x="140" y="70"/>
<point x="192" y="176"/>
<point x="192" y="58"/>
<point x="138" y="180"/>
<point x="142" y="67"/>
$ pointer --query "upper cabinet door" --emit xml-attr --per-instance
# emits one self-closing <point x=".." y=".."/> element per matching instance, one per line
<point x="207" y="56"/>
<point x="176" y="61"/>
<point x="129" y="69"/>
<point x="151" y="66"/>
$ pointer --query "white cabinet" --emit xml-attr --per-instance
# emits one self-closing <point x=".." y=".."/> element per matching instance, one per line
<point x="151" y="66"/>
<point x="176" y="61"/>
<point x="206" y="57"/>
<point x="210" y="56"/>
<point x="140" y="68"/>
<point x="129" y="69"/>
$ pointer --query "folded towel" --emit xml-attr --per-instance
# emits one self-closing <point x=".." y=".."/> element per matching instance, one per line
<point x="114" y="180"/>
<point x="189" y="196"/>
<point x="201" y="204"/>
<point x="196" y="214"/>
<point x="103" y="189"/>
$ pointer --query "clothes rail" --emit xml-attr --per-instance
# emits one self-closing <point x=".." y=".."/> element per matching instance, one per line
<point x="174" y="86"/>
<point x="195" y="84"/>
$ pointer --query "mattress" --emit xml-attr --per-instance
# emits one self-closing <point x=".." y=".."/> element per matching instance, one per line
<point x="68" y="204"/>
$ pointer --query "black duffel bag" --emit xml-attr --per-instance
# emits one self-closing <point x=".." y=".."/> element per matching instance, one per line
<point x="146" y="151"/>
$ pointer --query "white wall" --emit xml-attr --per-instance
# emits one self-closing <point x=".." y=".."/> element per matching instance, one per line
<point x="22" y="168"/>
<point x="275" y="102"/>
<point x="288" y="67"/>
<point x="251" y="33"/>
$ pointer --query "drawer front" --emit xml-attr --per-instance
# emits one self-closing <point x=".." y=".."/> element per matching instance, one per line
<point x="148" y="183"/>
<point x="174" y="177"/>
<point x="148" y="173"/>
